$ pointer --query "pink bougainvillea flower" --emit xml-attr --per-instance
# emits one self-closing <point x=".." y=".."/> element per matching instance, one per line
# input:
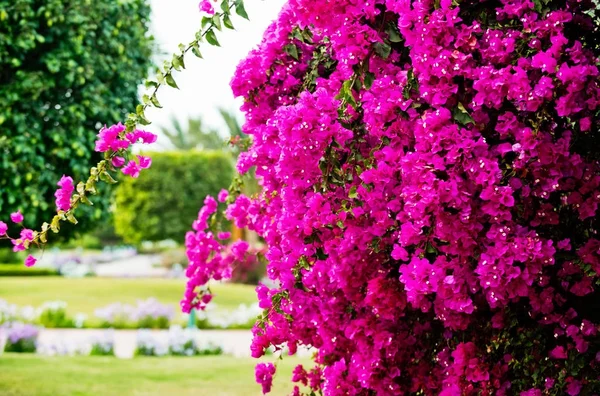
<point x="109" y="139"/>
<point x="16" y="217"/>
<point x="64" y="193"/>
<point x="3" y="228"/>
<point x="207" y="7"/>
<point x="558" y="353"/>
<point x="131" y="169"/>
<point x="224" y="235"/>
<point x="264" y="373"/>
<point x="141" y="135"/>
<point x="30" y="261"/>
<point x="223" y="194"/>
<point x="118" y="162"/>
<point x="145" y="162"/>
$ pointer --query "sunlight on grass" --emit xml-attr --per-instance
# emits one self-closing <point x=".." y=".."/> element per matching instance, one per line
<point x="22" y="374"/>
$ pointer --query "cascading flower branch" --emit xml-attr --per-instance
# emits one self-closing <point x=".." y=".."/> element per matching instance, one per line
<point x="430" y="189"/>
<point x="115" y="142"/>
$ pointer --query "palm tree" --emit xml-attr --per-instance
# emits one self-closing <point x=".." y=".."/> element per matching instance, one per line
<point x="193" y="136"/>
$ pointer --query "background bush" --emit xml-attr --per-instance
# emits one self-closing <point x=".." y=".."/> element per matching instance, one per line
<point x="163" y="201"/>
<point x="21" y="270"/>
<point x="66" y="68"/>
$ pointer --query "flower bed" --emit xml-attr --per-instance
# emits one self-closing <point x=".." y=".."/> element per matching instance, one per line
<point x="22" y="338"/>
<point x="146" y="314"/>
<point x="180" y="342"/>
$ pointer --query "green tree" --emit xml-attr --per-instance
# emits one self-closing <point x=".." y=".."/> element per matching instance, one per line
<point x="66" y="68"/>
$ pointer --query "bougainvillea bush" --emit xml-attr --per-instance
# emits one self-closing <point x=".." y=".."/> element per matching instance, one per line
<point x="430" y="188"/>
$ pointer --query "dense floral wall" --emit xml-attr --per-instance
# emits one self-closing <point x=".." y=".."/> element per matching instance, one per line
<point x="430" y="195"/>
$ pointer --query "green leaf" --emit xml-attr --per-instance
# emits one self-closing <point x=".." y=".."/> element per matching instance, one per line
<point x="171" y="81"/>
<point x="107" y="178"/>
<point x="81" y="188"/>
<point x="537" y="5"/>
<point x="146" y="99"/>
<point x="369" y="79"/>
<point x="196" y="50"/>
<point x="212" y="38"/>
<point x="143" y="120"/>
<point x="85" y="200"/>
<point x="205" y="22"/>
<point x="90" y="186"/>
<point x="151" y="84"/>
<point x="292" y="51"/>
<point x="71" y="218"/>
<point x="139" y="109"/>
<point x="227" y="22"/>
<point x="155" y="102"/>
<point x="353" y="193"/>
<point x="55" y="225"/>
<point x="176" y="63"/>
<point x="393" y="33"/>
<point x="461" y="115"/>
<point x="216" y="20"/>
<point x="225" y="6"/>
<point x="240" y="10"/>
<point x="383" y="50"/>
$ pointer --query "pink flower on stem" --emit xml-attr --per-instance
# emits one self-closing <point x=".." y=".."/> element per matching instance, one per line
<point x="207" y="7"/>
<point x="132" y="169"/>
<point x="108" y="139"/>
<point x="16" y="217"/>
<point x="3" y="228"/>
<point x="118" y="162"/>
<point x="64" y="193"/>
<point x="30" y="261"/>
<point x="144" y="136"/>
<point x="223" y="194"/>
<point x="145" y="162"/>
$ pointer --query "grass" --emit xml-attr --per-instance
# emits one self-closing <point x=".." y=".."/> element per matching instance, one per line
<point x="23" y="374"/>
<point x="87" y="294"/>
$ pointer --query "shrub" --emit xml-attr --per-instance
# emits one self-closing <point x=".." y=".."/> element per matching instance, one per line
<point x="21" y="270"/>
<point x="158" y="205"/>
<point x="180" y="342"/>
<point x="430" y="190"/>
<point x="65" y="68"/>
<point x="104" y="344"/>
<point x="149" y="345"/>
<point x="147" y="314"/>
<point x="53" y="314"/>
<point x="22" y="338"/>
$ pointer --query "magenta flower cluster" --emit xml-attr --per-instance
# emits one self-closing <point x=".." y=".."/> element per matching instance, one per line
<point x="115" y="140"/>
<point x="430" y="189"/>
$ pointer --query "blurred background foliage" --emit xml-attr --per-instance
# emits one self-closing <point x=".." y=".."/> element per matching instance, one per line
<point x="164" y="200"/>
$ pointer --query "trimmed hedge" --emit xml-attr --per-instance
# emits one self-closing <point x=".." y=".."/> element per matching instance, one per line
<point x="21" y="270"/>
<point x="160" y="203"/>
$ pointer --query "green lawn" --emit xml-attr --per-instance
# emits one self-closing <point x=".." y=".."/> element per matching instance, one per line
<point x="87" y="294"/>
<point x="22" y="374"/>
